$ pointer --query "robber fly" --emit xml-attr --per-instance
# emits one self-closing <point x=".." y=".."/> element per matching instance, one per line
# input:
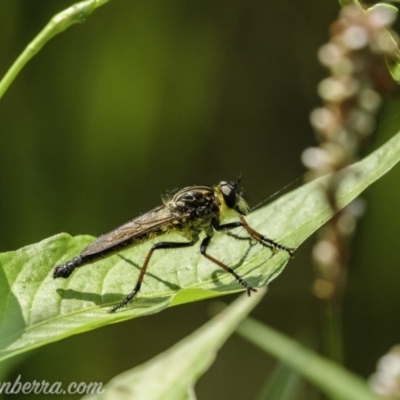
<point x="188" y="212"/>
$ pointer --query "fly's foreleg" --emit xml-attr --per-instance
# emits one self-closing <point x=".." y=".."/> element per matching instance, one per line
<point x="156" y="246"/>
<point x="264" y="240"/>
<point x="203" y="251"/>
<point x="272" y="244"/>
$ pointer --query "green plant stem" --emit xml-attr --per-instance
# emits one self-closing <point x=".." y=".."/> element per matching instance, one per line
<point x="332" y="333"/>
<point x="344" y="3"/>
<point x="332" y="379"/>
<point x="60" y="22"/>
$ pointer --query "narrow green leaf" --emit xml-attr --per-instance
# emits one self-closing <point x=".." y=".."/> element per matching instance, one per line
<point x="172" y="374"/>
<point x="283" y="384"/>
<point x="331" y="378"/>
<point x="35" y="309"/>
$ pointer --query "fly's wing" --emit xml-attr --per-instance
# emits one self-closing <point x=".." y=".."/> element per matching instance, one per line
<point x="143" y="226"/>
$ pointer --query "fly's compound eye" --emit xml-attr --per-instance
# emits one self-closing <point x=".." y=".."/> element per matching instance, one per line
<point x="229" y="194"/>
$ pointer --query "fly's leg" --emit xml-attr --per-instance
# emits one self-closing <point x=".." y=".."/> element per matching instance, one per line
<point x="263" y="240"/>
<point x="233" y="235"/>
<point x="203" y="251"/>
<point x="156" y="246"/>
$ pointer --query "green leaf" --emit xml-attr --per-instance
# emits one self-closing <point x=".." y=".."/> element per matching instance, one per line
<point x="335" y="381"/>
<point x="172" y="374"/>
<point x="35" y="309"/>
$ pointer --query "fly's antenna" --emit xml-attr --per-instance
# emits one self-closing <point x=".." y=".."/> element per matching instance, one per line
<point x="236" y="184"/>
<point x="276" y="193"/>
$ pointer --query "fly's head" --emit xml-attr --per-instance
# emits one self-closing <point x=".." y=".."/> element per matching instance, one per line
<point x="231" y="198"/>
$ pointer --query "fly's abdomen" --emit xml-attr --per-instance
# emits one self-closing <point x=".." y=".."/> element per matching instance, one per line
<point x="65" y="270"/>
<point x="101" y="248"/>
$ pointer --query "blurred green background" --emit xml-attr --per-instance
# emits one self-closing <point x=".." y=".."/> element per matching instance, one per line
<point x="147" y="96"/>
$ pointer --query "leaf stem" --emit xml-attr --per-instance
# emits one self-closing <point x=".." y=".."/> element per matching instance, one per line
<point x="77" y="13"/>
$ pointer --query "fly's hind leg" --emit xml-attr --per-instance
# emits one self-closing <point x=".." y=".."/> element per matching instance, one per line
<point x="203" y="251"/>
<point x="156" y="246"/>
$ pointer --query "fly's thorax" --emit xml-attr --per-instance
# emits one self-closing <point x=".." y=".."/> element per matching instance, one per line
<point x="195" y="208"/>
<point x="195" y="202"/>
<point x="192" y="228"/>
